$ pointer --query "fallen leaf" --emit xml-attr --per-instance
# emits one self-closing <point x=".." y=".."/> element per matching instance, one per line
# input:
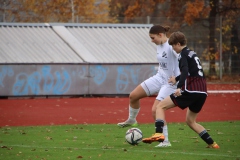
<point x="4" y="147"/>
<point x="194" y="137"/>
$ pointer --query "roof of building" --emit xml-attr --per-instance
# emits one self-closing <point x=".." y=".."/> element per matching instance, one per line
<point x="76" y="43"/>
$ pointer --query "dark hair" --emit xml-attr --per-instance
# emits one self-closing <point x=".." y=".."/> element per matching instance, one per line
<point x="177" y="37"/>
<point x="159" y="29"/>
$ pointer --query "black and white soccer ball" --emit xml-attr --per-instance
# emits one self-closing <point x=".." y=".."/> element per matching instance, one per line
<point x="134" y="136"/>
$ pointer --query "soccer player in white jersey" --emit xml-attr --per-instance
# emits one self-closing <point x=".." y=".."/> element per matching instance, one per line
<point x="168" y="67"/>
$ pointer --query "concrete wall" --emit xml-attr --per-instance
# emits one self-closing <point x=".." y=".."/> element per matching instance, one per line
<point x="72" y="79"/>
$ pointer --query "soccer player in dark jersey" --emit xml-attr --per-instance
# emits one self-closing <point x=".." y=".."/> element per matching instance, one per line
<point x="191" y="92"/>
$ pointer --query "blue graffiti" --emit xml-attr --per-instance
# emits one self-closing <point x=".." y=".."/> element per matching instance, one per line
<point x="48" y="79"/>
<point x="62" y="86"/>
<point x="6" y="71"/>
<point x="24" y="83"/>
<point x="83" y="72"/>
<point x="124" y="72"/>
<point x="135" y="75"/>
<point x="20" y="87"/>
<point x="32" y="83"/>
<point x="99" y="74"/>
<point x="122" y="80"/>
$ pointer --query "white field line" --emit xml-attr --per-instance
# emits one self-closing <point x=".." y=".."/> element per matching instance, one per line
<point x="132" y="150"/>
<point x="223" y="91"/>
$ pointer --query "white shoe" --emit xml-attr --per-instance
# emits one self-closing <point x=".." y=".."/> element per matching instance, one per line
<point x="164" y="144"/>
<point x="127" y="124"/>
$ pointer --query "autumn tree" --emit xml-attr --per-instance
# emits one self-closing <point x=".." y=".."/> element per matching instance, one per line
<point x="230" y="9"/>
<point x="127" y="11"/>
<point x="212" y="28"/>
<point x="188" y="12"/>
<point x="85" y="11"/>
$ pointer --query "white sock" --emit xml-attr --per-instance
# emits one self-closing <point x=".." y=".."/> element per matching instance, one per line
<point x="132" y="114"/>
<point x="165" y="133"/>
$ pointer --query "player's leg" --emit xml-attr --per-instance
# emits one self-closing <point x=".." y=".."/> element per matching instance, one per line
<point x="166" y="142"/>
<point x="160" y="120"/>
<point x="134" y="106"/>
<point x="165" y="91"/>
<point x="199" y="129"/>
<point x="191" y="122"/>
<point x="146" y="88"/>
<point x="191" y="116"/>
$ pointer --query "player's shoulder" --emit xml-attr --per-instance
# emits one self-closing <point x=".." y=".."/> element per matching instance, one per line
<point x="188" y="52"/>
<point x="191" y="54"/>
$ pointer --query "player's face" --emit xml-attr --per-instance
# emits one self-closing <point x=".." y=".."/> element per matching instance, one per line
<point x="177" y="47"/>
<point x="156" y="38"/>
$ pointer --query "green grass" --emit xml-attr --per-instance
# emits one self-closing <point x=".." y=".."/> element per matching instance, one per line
<point x="107" y="142"/>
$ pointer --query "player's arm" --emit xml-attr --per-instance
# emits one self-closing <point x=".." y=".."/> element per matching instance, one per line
<point x="182" y="77"/>
<point x="176" y="71"/>
<point x="184" y="71"/>
<point x="175" y="53"/>
<point x="173" y="80"/>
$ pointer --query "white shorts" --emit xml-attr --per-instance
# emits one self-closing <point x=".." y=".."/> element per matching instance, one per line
<point x="158" y="84"/>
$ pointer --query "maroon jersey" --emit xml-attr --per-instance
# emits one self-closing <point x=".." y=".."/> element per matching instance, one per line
<point x="192" y="78"/>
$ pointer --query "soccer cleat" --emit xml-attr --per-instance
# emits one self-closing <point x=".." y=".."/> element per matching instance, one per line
<point x="157" y="137"/>
<point x="214" y="145"/>
<point x="164" y="144"/>
<point x="127" y="124"/>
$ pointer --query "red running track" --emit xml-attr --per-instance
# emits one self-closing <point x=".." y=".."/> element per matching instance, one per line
<point x="60" y="111"/>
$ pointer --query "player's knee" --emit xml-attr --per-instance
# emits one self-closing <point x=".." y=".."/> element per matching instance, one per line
<point x="190" y="123"/>
<point x="132" y="96"/>
<point x="161" y="106"/>
<point x="153" y="112"/>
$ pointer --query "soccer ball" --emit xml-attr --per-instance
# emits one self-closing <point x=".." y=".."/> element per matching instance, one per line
<point x="134" y="136"/>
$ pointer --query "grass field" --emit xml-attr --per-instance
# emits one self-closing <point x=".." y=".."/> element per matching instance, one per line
<point x="107" y="142"/>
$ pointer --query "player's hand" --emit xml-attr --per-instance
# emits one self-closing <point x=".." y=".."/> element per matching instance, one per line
<point x="172" y="80"/>
<point x="178" y="92"/>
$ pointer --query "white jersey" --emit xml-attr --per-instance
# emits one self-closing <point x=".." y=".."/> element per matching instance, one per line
<point x="168" y="66"/>
<point x="168" y="61"/>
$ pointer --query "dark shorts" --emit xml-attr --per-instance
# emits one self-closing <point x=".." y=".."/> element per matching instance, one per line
<point x="194" y="101"/>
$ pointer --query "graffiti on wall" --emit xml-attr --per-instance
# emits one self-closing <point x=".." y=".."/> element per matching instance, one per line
<point x="58" y="80"/>
<point x="99" y="73"/>
<point x="5" y="71"/>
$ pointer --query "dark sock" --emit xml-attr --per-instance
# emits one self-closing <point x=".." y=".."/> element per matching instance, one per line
<point x="206" y="137"/>
<point x="159" y="125"/>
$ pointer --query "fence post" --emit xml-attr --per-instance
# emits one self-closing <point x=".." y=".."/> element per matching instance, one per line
<point x="220" y="43"/>
<point x="220" y="49"/>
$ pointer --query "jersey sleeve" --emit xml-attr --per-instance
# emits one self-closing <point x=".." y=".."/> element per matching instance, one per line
<point x="175" y="54"/>
<point x="176" y="70"/>
<point x="184" y="70"/>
